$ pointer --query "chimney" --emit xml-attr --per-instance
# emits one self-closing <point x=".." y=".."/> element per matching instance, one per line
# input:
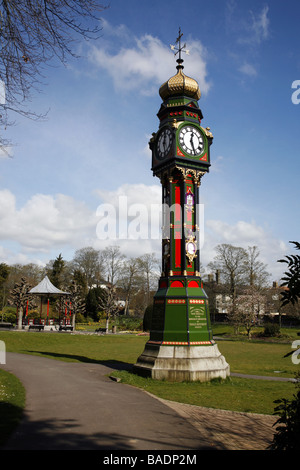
<point x="217" y="276"/>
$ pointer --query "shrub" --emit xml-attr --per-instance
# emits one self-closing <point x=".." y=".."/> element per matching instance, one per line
<point x="271" y="329"/>
<point x="287" y="435"/>
<point x="129" y="323"/>
<point x="9" y="317"/>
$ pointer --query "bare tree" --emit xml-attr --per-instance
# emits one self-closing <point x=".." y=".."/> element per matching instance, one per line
<point x="108" y="302"/>
<point x="231" y="261"/>
<point x="149" y="265"/>
<point x="21" y="298"/>
<point x="112" y="262"/>
<point x="248" y="308"/>
<point x="128" y="279"/>
<point x="257" y="271"/>
<point x="89" y="262"/>
<point x="33" y="33"/>
<point x="77" y="303"/>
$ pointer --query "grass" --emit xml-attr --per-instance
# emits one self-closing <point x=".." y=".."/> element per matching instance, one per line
<point x="255" y="358"/>
<point x="12" y="402"/>
<point x="75" y="348"/>
<point x="258" y="358"/>
<point x="236" y="394"/>
<point x="224" y="330"/>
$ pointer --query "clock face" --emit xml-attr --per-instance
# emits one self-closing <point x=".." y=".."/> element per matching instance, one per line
<point x="191" y="141"/>
<point x="164" y="143"/>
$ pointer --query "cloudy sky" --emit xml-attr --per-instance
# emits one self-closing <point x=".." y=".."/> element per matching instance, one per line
<point x="91" y="153"/>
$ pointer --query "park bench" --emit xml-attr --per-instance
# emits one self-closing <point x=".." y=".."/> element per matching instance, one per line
<point x="101" y="330"/>
<point x="6" y="325"/>
<point x="36" y="327"/>
<point x="66" y="328"/>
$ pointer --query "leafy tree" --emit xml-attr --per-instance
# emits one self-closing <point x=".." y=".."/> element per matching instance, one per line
<point x="287" y="436"/>
<point x="92" y="301"/>
<point x="4" y="273"/>
<point x="291" y="279"/>
<point x="56" y="274"/>
<point x="80" y="280"/>
<point x="33" y="33"/>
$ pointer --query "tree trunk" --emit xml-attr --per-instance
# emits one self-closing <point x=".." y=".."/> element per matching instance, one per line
<point x="20" y="318"/>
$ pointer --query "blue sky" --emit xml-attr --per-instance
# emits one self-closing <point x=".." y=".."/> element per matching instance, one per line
<point x="93" y="147"/>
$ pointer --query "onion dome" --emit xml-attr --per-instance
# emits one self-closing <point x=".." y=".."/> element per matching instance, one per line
<point x="180" y="84"/>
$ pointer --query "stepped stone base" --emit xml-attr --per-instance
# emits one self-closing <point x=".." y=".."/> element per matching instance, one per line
<point x="182" y="363"/>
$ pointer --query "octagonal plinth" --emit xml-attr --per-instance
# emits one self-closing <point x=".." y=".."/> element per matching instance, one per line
<point x="182" y="363"/>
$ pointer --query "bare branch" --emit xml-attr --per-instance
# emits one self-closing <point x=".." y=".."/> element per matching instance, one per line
<point x="32" y="34"/>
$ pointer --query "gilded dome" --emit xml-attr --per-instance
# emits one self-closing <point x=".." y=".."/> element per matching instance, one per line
<point x="180" y="84"/>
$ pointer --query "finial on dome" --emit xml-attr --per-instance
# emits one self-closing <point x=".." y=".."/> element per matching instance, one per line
<point x="179" y="49"/>
<point x="180" y="84"/>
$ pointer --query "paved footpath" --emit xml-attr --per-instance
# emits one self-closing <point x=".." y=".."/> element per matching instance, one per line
<point x="76" y="406"/>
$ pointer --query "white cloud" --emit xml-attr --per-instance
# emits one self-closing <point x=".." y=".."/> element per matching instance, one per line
<point x="245" y="234"/>
<point x="131" y="212"/>
<point x="58" y="224"/>
<point x="256" y="29"/>
<point x="241" y="232"/>
<point x="260" y="24"/>
<point x="47" y="224"/>
<point x="248" y="69"/>
<point x="147" y="63"/>
<point x="134" y="192"/>
<point x="44" y="221"/>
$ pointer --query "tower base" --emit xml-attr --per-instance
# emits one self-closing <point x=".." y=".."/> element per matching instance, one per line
<point x="182" y="363"/>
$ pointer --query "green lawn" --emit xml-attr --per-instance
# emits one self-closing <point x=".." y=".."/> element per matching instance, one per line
<point x="238" y="394"/>
<point x="12" y="402"/>
<point x="234" y="394"/>
<point x="245" y="357"/>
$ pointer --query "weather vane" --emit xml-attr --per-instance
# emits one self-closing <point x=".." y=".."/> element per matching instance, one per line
<point x="180" y="48"/>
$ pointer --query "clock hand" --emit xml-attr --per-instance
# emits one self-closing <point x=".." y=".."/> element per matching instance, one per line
<point x="164" y="142"/>
<point x="192" y="142"/>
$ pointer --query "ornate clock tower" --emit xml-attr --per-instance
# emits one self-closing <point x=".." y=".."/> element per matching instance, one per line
<point x="181" y="345"/>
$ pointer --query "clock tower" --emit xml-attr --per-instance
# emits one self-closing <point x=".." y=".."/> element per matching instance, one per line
<point x="181" y="345"/>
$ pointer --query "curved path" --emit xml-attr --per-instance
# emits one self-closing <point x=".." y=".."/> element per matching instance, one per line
<point x="76" y="406"/>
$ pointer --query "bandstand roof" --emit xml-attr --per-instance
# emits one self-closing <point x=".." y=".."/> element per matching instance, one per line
<point x="46" y="287"/>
